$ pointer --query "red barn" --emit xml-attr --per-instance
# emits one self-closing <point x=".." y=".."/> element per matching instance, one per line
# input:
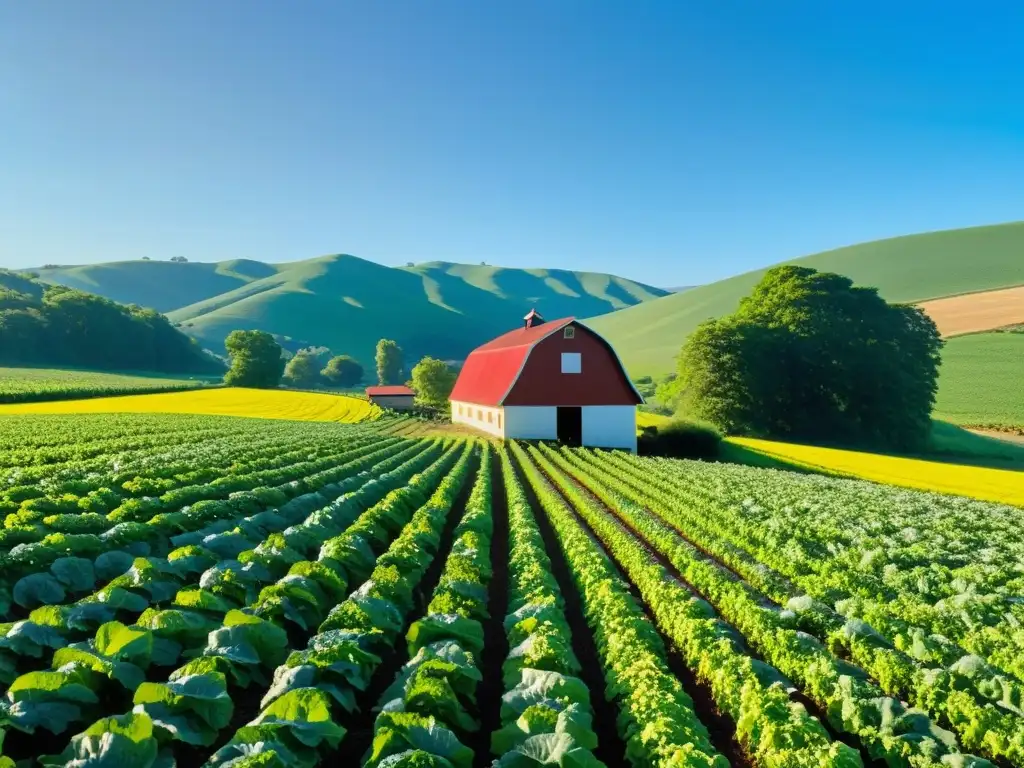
<point x="548" y="381"/>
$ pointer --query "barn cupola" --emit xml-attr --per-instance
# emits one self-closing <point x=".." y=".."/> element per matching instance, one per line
<point x="533" y="319"/>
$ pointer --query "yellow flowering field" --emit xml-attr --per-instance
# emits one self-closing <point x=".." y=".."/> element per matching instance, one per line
<point x="647" y="419"/>
<point x="229" y="401"/>
<point x="978" y="482"/>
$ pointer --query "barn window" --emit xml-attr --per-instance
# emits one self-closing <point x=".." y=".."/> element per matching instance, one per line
<point x="572" y="362"/>
<point x="499" y="421"/>
<point x="490" y="417"/>
<point x="479" y="415"/>
<point x="460" y="410"/>
<point x="569" y="332"/>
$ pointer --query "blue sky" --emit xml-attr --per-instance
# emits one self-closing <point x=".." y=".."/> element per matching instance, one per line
<point x="672" y="142"/>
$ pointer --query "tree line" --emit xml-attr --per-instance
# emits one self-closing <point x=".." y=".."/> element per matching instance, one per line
<point x="258" y="360"/>
<point x="53" y="325"/>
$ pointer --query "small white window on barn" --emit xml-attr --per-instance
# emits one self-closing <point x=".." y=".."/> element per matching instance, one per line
<point x="572" y="362"/>
<point x="569" y="332"/>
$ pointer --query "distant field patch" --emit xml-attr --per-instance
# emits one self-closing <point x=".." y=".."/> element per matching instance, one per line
<point x="252" y="403"/>
<point x="974" y="312"/>
<point x="645" y="419"/>
<point x="998" y="485"/>
<point x="981" y="381"/>
<point x="18" y="385"/>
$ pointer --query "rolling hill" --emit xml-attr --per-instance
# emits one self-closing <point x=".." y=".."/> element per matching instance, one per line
<point x="348" y="303"/>
<point x="160" y="285"/>
<point x="907" y="269"/>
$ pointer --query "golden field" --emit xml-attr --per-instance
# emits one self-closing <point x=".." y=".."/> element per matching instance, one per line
<point x="228" y="401"/>
<point x="645" y="419"/>
<point x="998" y="485"/>
<point x="974" y="312"/>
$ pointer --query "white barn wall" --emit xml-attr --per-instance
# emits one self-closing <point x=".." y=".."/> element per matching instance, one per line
<point x="531" y="422"/>
<point x="475" y="416"/>
<point x="610" y="426"/>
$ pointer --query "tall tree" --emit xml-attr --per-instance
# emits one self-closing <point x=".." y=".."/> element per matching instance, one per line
<point x="343" y="371"/>
<point x="810" y="356"/>
<point x="389" y="362"/>
<point x="303" y="370"/>
<point x="433" y="381"/>
<point x="256" y="359"/>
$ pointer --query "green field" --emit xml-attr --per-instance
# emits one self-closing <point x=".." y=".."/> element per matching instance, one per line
<point x="19" y="385"/>
<point x="206" y="590"/>
<point x="911" y="268"/>
<point x="348" y="303"/>
<point x="982" y="380"/>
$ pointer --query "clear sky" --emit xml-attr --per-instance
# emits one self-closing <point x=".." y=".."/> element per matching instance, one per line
<point x="673" y="142"/>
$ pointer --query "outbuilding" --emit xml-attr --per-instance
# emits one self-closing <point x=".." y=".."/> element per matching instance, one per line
<point x="555" y="380"/>
<point x="397" y="398"/>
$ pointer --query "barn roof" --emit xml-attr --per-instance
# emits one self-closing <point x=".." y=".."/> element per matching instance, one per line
<point x="491" y="369"/>
<point x="388" y="391"/>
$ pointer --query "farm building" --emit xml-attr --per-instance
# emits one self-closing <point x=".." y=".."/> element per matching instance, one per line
<point x="555" y="380"/>
<point x="397" y="398"/>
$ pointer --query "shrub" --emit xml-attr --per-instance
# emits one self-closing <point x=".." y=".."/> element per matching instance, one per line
<point x="681" y="439"/>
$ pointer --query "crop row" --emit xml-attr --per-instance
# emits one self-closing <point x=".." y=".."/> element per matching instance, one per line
<point x="314" y="690"/>
<point x="236" y="624"/>
<point x="911" y="564"/>
<point x="657" y="720"/>
<point x="148" y="525"/>
<point x="771" y="728"/>
<point x="981" y="707"/>
<point x="115" y="478"/>
<point x="223" y="550"/>
<point x="207" y="450"/>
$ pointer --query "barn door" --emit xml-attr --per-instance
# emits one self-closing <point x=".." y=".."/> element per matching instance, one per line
<point x="570" y="425"/>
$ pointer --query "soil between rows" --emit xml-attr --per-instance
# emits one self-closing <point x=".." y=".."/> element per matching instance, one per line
<point x="611" y="750"/>
<point x="720" y="727"/>
<point x="247" y="701"/>
<point x="496" y="649"/>
<point x="797" y="695"/>
<point x="359" y="725"/>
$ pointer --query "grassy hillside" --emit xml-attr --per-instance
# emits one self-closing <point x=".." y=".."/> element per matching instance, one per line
<point x="161" y="285"/>
<point x="982" y="380"/>
<point x="348" y="303"/>
<point x="438" y="308"/>
<point x="912" y="268"/>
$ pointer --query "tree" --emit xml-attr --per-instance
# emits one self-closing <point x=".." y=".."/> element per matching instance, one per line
<point x="389" y="362"/>
<point x="810" y="356"/>
<point x="145" y="258"/>
<point x="433" y="381"/>
<point x="322" y="355"/>
<point x="343" y="371"/>
<point x="303" y="370"/>
<point x="179" y="259"/>
<point x="256" y="359"/>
